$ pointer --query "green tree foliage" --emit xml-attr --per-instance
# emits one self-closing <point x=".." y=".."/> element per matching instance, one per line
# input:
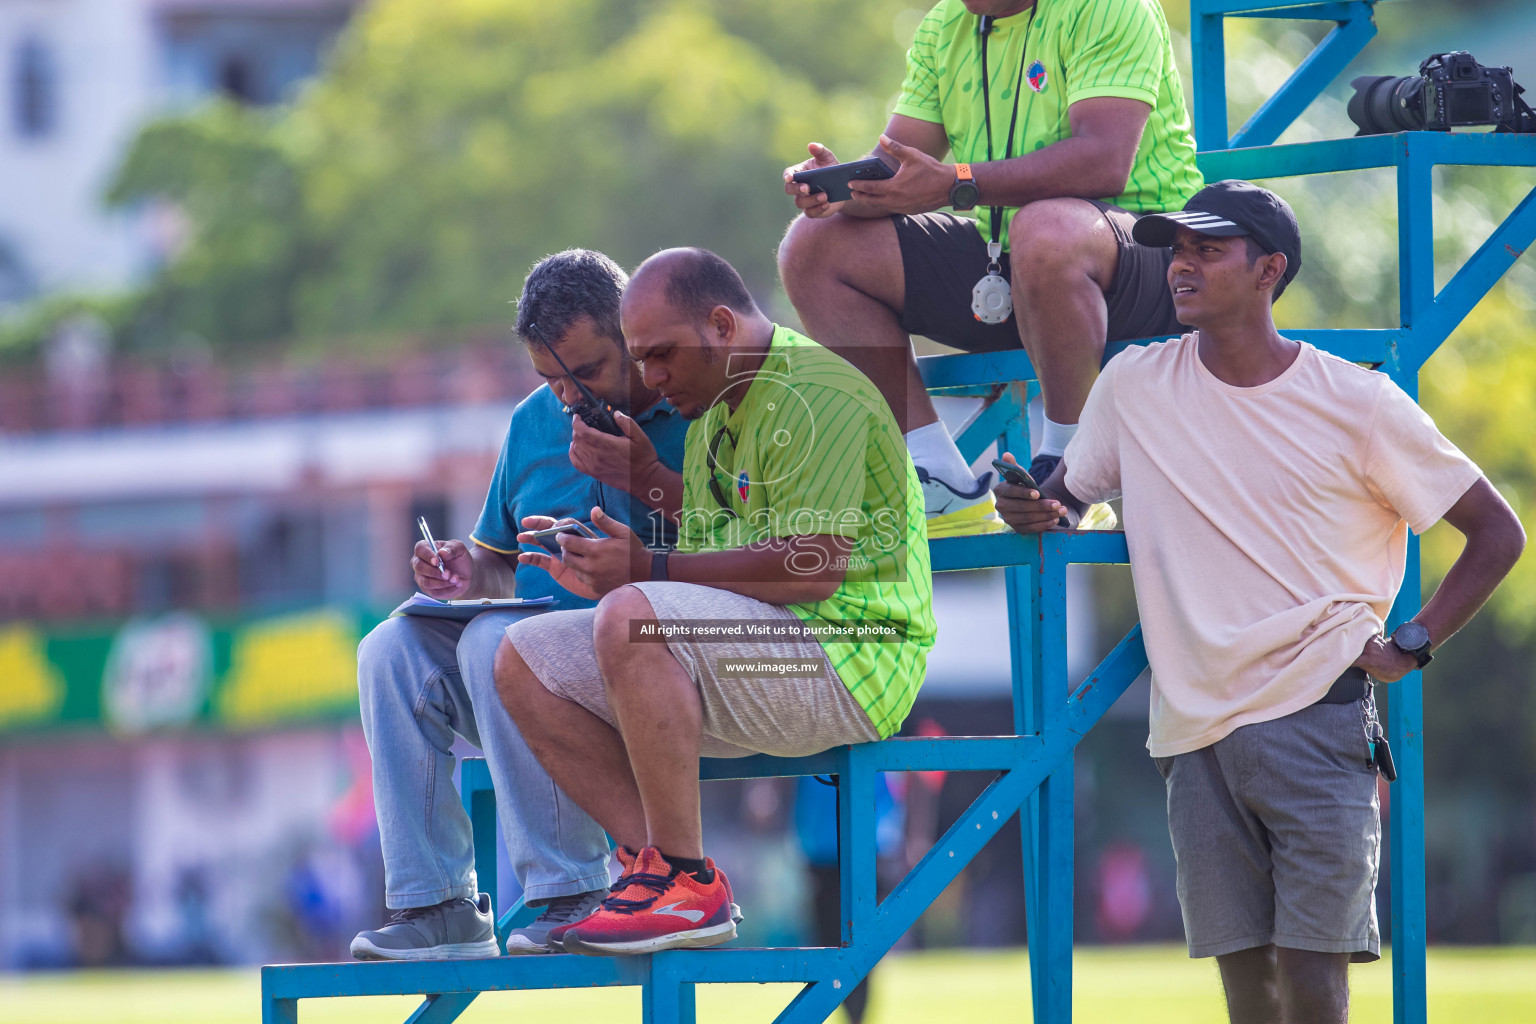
<point x="229" y="172"/>
<point x="454" y="142"/>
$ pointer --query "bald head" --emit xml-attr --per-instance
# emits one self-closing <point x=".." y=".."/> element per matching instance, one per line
<point x="692" y="283"/>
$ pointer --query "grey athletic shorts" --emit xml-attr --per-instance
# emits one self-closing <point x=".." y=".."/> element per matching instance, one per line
<point x="785" y="715"/>
<point x="1277" y="834"/>
<point x="943" y="256"/>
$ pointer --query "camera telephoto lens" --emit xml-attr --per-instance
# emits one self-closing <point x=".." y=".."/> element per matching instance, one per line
<point x="1383" y="104"/>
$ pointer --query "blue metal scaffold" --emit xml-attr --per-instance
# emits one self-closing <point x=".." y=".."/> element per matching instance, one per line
<point x="1033" y="766"/>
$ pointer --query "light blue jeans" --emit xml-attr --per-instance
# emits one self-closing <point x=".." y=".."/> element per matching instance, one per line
<point x="421" y="680"/>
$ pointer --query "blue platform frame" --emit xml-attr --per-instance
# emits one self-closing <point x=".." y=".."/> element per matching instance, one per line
<point x="1033" y="766"/>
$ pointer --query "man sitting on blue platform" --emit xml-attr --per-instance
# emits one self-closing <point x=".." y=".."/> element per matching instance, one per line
<point x="1065" y="122"/>
<point x="795" y="616"/>
<point x="1269" y="489"/>
<point x="422" y="680"/>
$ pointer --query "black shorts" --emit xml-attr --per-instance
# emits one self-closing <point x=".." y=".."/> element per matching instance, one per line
<point x="943" y="256"/>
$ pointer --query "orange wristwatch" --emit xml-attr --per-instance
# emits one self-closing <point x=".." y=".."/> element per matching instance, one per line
<point x="963" y="193"/>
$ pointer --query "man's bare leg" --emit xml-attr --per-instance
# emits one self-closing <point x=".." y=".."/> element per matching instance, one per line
<point x="1266" y="985"/>
<point x="844" y="276"/>
<point x="1252" y="982"/>
<point x="1314" y="987"/>
<point x="581" y="752"/>
<point x="661" y="718"/>
<point x="1064" y="256"/>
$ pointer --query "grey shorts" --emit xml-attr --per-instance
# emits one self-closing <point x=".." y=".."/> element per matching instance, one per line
<point x="785" y="715"/>
<point x="1277" y="834"/>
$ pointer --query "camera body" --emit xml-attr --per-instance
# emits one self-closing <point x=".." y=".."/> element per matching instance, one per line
<point x="1451" y="90"/>
<point x="1456" y="91"/>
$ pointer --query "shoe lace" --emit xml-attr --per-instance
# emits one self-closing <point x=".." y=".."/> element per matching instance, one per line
<point x="411" y="914"/>
<point x="566" y="909"/>
<point x="617" y="903"/>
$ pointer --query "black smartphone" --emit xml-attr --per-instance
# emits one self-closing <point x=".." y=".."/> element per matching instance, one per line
<point x="546" y="538"/>
<point x="834" y="180"/>
<point x="1014" y="474"/>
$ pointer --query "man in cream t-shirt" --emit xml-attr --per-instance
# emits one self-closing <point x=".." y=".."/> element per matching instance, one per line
<point x="1268" y="492"/>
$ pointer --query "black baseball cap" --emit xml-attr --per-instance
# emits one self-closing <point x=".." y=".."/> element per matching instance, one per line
<point x="1227" y="209"/>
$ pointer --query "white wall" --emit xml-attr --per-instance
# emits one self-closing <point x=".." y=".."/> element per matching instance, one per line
<point x="50" y="187"/>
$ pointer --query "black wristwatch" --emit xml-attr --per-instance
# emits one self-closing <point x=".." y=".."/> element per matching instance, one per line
<point x="963" y="193"/>
<point x="1413" y="639"/>
<point x="659" y="567"/>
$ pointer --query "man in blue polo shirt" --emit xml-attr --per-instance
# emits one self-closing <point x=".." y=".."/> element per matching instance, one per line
<point x="421" y="680"/>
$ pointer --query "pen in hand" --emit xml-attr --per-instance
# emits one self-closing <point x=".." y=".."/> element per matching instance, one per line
<point x="426" y="535"/>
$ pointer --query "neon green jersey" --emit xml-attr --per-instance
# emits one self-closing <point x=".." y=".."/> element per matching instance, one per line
<point x="813" y="449"/>
<point x="1077" y="50"/>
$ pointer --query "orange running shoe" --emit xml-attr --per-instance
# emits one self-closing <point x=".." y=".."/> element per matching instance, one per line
<point x="653" y="907"/>
<point x="626" y="858"/>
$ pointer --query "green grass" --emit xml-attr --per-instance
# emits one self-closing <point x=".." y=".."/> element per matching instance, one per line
<point x="1142" y="984"/>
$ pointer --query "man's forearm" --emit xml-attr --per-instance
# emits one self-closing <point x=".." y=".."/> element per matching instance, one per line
<point x="1495" y="540"/>
<point x="1083" y="168"/>
<point x="662" y="489"/>
<point x="1472" y="579"/>
<point x="1054" y="487"/>
<point x="764" y="571"/>
<point x="494" y="576"/>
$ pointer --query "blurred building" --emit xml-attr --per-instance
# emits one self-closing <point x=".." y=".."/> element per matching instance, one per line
<point x="77" y="80"/>
<point x="182" y="776"/>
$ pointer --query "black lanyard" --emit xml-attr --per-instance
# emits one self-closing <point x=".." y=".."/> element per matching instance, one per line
<point x="985" y="28"/>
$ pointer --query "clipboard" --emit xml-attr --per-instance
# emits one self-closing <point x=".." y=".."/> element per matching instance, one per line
<point x="463" y="610"/>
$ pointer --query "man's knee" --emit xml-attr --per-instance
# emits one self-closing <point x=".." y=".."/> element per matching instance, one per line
<point x="860" y="253"/>
<point x="1314" y="984"/>
<point x="611" y="626"/>
<point x="476" y="650"/>
<point x="380" y="656"/>
<point x="808" y="248"/>
<point x="1056" y="238"/>
<point x="513" y="676"/>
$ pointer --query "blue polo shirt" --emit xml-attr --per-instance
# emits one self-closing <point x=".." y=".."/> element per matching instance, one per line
<point x="534" y="477"/>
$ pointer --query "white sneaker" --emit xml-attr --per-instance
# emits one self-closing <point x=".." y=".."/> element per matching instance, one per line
<point x="943" y="498"/>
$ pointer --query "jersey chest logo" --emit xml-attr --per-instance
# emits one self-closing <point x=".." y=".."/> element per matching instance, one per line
<point x="1037" y="77"/>
<point x="741" y="486"/>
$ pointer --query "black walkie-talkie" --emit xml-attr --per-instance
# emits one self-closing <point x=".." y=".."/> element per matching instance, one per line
<point x="1381" y="755"/>
<point x="594" y="412"/>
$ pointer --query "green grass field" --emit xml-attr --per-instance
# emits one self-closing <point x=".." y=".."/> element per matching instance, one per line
<point x="1134" y="985"/>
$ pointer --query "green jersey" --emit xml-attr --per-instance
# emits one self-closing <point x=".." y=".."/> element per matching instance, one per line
<point x="813" y="449"/>
<point x="1070" y="50"/>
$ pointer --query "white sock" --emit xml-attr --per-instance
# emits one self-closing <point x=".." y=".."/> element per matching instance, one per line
<point x="1055" y="437"/>
<point x="933" y="449"/>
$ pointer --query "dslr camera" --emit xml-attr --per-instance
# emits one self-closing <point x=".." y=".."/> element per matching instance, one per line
<point x="1451" y="90"/>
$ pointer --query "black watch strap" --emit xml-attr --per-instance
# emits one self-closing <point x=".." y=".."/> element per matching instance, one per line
<point x="659" y="567"/>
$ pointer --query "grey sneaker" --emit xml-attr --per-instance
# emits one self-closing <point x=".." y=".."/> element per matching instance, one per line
<point x="452" y="930"/>
<point x="561" y="910"/>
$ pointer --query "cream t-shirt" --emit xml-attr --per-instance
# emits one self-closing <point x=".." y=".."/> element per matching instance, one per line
<point x="1267" y="526"/>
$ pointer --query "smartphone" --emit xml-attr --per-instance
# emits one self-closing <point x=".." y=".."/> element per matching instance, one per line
<point x="834" y="180"/>
<point x="546" y="538"/>
<point x="1014" y="474"/>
